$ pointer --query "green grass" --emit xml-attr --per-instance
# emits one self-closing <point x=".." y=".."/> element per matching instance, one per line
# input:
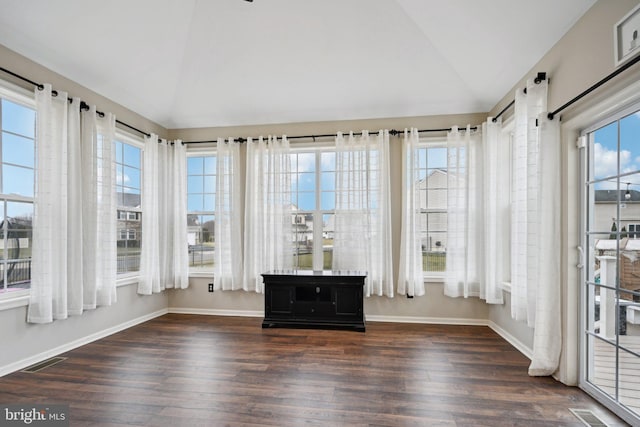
<point x="305" y="261"/>
<point x="434" y="261"/>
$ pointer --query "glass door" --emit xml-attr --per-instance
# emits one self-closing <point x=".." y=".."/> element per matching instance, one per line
<point x="610" y="292"/>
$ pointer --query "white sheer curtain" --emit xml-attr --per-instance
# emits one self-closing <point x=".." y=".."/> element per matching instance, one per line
<point x="535" y="268"/>
<point x="465" y="215"/>
<point x="410" y="276"/>
<point x="164" y="254"/>
<point x="48" y="294"/>
<point x="547" y="335"/>
<point x="153" y="183"/>
<point x="525" y="194"/>
<point x="75" y="180"/>
<point x="268" y="222"/>
<point x="99" y="209"/>
<point x="362" y="236"/>
<point x="496" y="160"/>
<point x="228" y="217"/>
<point x="176" y="200"/>
<point x="74" y="225"/>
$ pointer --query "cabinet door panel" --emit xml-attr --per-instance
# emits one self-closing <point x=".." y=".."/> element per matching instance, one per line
<point x="348" y="301"/>
<point x="281" y="298"/>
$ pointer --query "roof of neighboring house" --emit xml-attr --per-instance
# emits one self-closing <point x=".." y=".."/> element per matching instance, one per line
<point x="130" y="199"/>
<point x="611" y="196"/>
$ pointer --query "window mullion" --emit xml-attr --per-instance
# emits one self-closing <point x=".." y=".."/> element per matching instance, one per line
<point x="318" y="260"/>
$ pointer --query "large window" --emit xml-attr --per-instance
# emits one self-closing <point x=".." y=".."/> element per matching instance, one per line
<point x="201" y="201"/>
<point x="17" y="142"/>
<point x="313" y="201"/>
<point x="128" y="163"/>
<point x="432" y="200"/>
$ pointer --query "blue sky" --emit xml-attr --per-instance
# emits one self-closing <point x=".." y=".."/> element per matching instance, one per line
<point x="606" y="154"/>
<point x="18" y="131"/>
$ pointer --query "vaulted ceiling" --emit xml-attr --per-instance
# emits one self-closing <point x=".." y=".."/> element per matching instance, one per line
<point x="198" y="63"/>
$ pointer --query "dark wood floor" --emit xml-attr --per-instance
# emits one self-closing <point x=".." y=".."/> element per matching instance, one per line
<point x="187" y="370"/>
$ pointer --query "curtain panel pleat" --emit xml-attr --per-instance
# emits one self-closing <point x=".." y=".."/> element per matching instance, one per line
<point x="410" y="276"/>
<point x="362" y="236"/>
<point x="164" y="254"/>
<point x="496" y="160"/>
<point x="228" y="217"/>
<point x="74" y="224"/>
<point x="465" y="257"/>
<point x="535" y="268"/>
<point x="99" y="214"/>
<point x="267" y="231"/>
<point x="48" y="294"/>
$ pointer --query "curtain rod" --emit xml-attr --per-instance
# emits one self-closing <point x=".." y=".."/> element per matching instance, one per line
<point x="540" y="77"/>
<point x="392" y="132"/>
<point x="83" y="105"/>
<point x="594" y="87"/>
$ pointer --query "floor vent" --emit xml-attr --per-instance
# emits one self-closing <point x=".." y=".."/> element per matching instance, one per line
<point x="588" y="418"/>
<point x="44" y="364"/>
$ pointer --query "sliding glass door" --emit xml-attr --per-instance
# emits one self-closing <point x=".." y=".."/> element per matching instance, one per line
<point x="610" y="297"/>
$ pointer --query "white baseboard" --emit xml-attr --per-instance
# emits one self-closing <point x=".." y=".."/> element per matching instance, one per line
<point x="217" y="312"/>
<point x="21" y="364"/>
<point x="425" y="320"/>
<point x="528" y="352"/>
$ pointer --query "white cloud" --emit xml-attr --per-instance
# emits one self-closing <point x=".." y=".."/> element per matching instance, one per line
<point x="605" y="161"/>
<point x="122" y="179"/>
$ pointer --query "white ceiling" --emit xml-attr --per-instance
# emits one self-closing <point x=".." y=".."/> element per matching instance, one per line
<point x="198" y="63"/>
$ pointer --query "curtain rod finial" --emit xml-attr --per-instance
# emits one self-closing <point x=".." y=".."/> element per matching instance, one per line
<point x="540" y="78"/>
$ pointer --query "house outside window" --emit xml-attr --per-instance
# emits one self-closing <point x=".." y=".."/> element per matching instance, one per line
<point x="201" y="197"/>
<point x="128" y="164"/>
<point x="17" y="174"/>
<point x="432" y="200"/>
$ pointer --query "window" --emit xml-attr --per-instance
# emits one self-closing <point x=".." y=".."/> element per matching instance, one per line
<point x="432" y="200"/>
<point x="313" y="200"/>
<point x="17" y="148"/>
<point x="201" y="189"/>
<point x="634" y="231"/>
<point x="128" y="164"/>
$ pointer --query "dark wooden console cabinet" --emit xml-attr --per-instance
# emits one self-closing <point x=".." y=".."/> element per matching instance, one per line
<point x="320" y="299"/>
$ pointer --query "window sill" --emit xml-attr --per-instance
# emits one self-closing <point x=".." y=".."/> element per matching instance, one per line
<point x="201" y="274"/>
<point x="127" y="279"/>
<point x="14" y="299"/>
<point x="435" y="279"/>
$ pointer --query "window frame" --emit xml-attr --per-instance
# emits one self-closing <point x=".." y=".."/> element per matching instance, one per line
<point x="26" y="98"/>
<point x="200" y="151"/>
<point x="317" y="148"/>
<point x="433" y="142"/>
<point x="125" y="137"/>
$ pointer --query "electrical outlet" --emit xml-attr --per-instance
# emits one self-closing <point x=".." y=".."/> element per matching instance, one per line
<point x="210" y="287"/>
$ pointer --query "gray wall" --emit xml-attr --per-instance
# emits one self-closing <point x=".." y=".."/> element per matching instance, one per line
<point x="20" y="340"/>
<point x="581" y="58"/>
<point x="434" y="305"/>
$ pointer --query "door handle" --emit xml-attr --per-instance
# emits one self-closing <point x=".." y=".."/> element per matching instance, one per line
<point x="580" y="257"/>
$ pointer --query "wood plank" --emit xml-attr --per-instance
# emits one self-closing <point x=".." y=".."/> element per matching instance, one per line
<point x="205" y="370"/>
